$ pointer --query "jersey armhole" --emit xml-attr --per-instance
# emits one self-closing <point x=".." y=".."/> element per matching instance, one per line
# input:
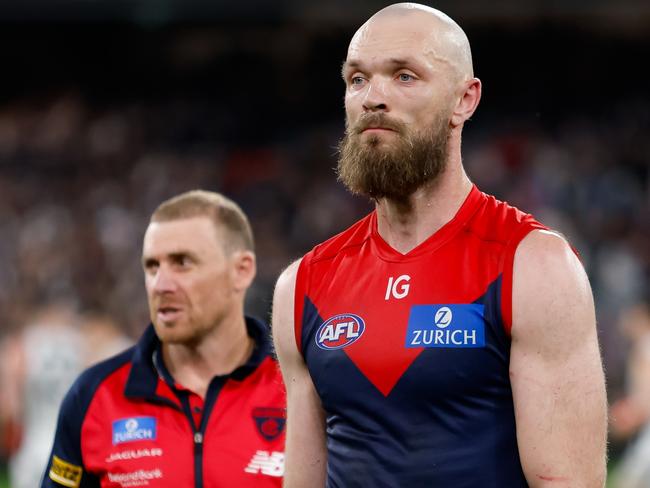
<point x="299" y="301"/>
<point x="507" y="266"/>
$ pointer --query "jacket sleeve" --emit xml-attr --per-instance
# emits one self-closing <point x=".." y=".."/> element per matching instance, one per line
<point x="65" y="466"/>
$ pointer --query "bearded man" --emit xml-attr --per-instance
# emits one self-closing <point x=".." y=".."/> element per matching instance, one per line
<point x="447" y="339"/>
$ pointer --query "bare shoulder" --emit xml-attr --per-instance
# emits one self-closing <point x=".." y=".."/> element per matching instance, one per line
<point x="282" y="320"/>
<point x="543" y="248"/>
<point x="287" y="279"/>
<point x="551" y="292"/>
<point x="284" y="290"/>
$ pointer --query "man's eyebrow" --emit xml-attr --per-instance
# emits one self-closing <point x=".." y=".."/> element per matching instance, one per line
<point x="391" y="61"/>
<point x="174" y="255"/>
<point x="401" y="61"/>
<point x="179" y="254"/>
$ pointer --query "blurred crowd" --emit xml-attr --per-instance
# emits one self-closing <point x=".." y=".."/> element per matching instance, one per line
<point x="78" y="183"/>
<point x="78" y="187"/>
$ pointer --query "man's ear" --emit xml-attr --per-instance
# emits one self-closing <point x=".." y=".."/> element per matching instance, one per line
<point x="244" y="268"/>
<point x="467" y="102"/>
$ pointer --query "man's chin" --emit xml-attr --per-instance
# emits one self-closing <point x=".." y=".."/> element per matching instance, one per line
<point x="377" y="139"/>
<point x="172" y="332"/>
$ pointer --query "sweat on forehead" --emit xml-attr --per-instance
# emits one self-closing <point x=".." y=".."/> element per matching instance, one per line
<point x="441" y="35"/>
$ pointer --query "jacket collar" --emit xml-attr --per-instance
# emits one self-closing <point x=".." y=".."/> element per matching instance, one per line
<point x="143" y="377"/>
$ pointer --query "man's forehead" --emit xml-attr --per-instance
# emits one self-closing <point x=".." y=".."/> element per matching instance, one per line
<point x="175" y="225"/>
<point x="393" y="51"/>
<point x="412" y="33"/>
<point x="181" y="234"/>
<point x="419" y="32"/>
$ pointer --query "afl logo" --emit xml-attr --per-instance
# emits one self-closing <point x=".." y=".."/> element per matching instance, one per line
<point x="339" y="331"/>
<point x="443" y="317"/>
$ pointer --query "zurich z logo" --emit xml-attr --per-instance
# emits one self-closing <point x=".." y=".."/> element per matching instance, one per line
<point x="443" y="317"/>
<point x="340" y="331"/>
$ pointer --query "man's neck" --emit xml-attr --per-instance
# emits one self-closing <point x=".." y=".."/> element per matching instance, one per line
<point x="218" y="353"/>
<point x="406" y="224"/>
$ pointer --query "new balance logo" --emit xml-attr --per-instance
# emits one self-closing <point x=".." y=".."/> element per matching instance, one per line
<point x="268" y="463"/>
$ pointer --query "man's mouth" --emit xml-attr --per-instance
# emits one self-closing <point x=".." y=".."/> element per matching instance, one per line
<point x="168" y="313"/>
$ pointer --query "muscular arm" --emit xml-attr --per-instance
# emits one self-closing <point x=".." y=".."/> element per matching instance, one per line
<point x="555" y="367"/>
<point x="306" y="454"/>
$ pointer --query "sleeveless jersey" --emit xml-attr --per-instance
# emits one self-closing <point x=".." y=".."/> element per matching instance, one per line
<point x="409" y="353"/>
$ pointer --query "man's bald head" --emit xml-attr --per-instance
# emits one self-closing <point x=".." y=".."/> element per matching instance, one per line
<point x="409" y="89"/>
<point x="441" y="37"/>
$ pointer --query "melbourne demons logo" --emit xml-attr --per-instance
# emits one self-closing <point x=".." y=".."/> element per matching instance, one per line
<point x="340" y="331"/>
<point x="270" y="421"/>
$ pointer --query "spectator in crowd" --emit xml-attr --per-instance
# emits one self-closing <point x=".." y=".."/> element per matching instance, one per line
<point x="38" y="365"/>
<point x="630" y="415"/>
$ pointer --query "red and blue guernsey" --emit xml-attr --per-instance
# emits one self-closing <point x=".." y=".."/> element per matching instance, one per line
<point x="126" y="423"/>
<point x="409" y="353"/>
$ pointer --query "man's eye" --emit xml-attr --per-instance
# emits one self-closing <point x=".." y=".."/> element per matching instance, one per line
<point x="182" y="261"/>
<point x="356" y="80"/>
<point x="405" y="77"/>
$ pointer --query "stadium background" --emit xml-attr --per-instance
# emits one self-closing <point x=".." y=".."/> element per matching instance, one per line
<point x="109" y="107"/>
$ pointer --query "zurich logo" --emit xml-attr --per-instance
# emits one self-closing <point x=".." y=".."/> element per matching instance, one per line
<point x="443" y="317"/>
<point x="339" y="331"/>
<point x="446" y="326"/>
<point x="134" y="429"/>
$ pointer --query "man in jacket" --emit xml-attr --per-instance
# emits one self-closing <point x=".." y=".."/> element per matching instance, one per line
<point x="198" y="401"/>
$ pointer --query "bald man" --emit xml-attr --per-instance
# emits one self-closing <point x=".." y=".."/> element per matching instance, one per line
<point x="447" y="339"/>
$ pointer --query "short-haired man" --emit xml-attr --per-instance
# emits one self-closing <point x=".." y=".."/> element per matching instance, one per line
<point x="447" y="339"/>
<point x="198" y="402"/>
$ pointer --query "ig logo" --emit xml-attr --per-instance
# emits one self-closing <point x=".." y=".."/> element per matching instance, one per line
<point x="396" y="288"/>
<point x="443" y="317"/>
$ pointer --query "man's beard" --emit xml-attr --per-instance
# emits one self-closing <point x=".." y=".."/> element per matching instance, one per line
<point x="395" y="171"/>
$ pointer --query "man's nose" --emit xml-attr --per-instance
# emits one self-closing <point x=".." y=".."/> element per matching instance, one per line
<point x="375" y="99"/>
<point x="163" y="281"/>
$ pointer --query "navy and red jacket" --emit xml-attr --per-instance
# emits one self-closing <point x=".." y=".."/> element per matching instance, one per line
<point x="126" y="423"/>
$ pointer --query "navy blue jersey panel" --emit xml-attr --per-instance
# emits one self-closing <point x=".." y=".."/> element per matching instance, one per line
<point x="448" y="421"/>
